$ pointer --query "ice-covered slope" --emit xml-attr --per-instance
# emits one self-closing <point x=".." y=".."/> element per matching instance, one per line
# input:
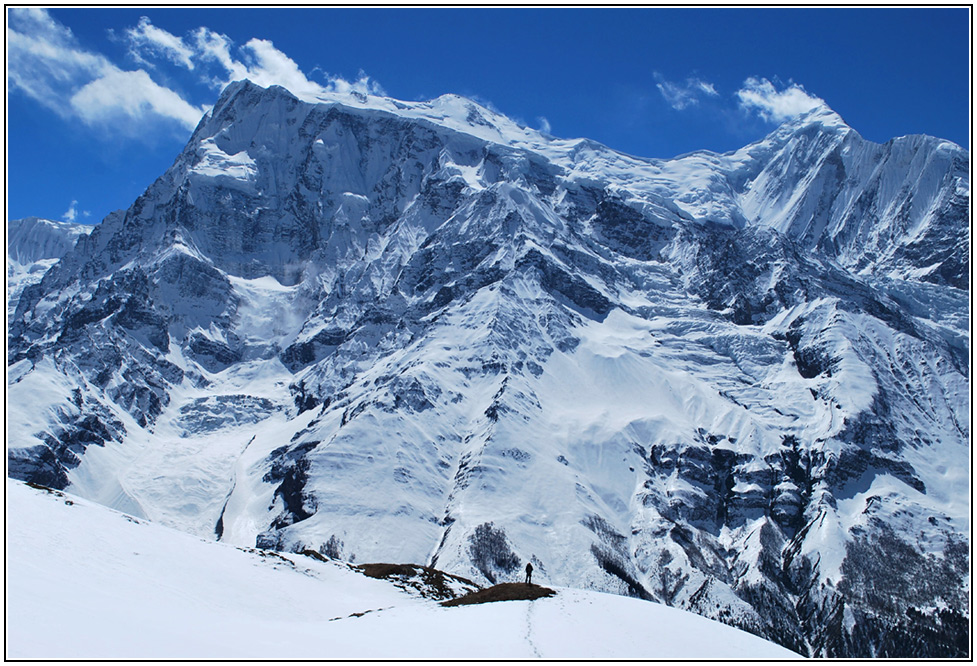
<point x="33" y="246"/>
<point x="84" y="582"/>
<point x="32" y="239"/>
<point x="419" y="332"/>
<point x="899" y="209"/>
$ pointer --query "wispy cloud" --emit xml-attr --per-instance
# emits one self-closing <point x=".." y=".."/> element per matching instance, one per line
<point x="146" y="37"/>
<point x="258" y="60"/>
<point x="681" y="96"/>
<point x="544" y="125"/>
<point x="131" y="96"/>
<point x="759" y="95"/>
<point x="72" y="213"/>
<point x="46" y="62"/>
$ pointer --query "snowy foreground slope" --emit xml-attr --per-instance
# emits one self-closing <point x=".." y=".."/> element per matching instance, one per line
<point x="391" y="331"/>
<point x="85" y="582"/>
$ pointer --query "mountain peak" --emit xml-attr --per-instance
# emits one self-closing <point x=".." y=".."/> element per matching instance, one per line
<point x="821" y="115"/>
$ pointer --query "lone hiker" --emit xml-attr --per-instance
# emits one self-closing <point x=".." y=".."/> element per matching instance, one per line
<point x="529" y="573"/>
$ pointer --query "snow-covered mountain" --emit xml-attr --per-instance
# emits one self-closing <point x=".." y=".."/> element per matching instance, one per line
<point x="33" y="246"/>
<point x="418" y="332"/>
<point x="142" y="591"/>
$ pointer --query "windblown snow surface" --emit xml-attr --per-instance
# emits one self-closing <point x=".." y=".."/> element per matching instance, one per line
<point x="139" y="590"/>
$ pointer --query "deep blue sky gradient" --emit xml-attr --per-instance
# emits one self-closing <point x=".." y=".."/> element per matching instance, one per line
<point x="588" y="72"/>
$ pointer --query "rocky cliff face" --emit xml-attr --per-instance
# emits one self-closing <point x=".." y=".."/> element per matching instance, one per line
<point x="388" y="331"/>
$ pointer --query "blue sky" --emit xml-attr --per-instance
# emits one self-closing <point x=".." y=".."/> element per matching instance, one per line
<point x="100" y="101"/>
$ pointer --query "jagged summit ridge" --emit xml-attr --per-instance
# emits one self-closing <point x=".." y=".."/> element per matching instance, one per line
<point x="730" y="383"/>
<point x="448" y="111"/>
<point x="788" y="181"/>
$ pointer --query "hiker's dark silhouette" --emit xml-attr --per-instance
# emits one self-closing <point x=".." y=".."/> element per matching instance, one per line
<point x="529" y="573"/>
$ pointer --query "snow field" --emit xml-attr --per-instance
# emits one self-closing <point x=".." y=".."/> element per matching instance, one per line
<point x="86" y="582"/>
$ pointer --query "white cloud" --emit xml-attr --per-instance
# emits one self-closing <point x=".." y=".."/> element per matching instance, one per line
<point x="544" y="125"/>
<point x="363" y="85"/>
<point x="269" y="66"/>
<point x="147" y="37"/>
<point x="212" y="46"/>
<point x="705" y="87"/>
<point x="681" y="96"/>
<point x="70" y="214"/>
<point x="257" y="60"/>
<point x="265" y="65"/>
<point x="760" y="95"/>
<point x="43" y="58"/>
<point x="46" y="62"/>
<point x="678" y="98"/>
<point x="131" y="96"/>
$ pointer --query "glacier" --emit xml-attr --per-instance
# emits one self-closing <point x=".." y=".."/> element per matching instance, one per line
<point x="737" y="384"/>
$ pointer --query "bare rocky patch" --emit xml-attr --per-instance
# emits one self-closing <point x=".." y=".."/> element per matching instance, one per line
<point x="503" y="592"/>
<point x="425" y="581"/>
